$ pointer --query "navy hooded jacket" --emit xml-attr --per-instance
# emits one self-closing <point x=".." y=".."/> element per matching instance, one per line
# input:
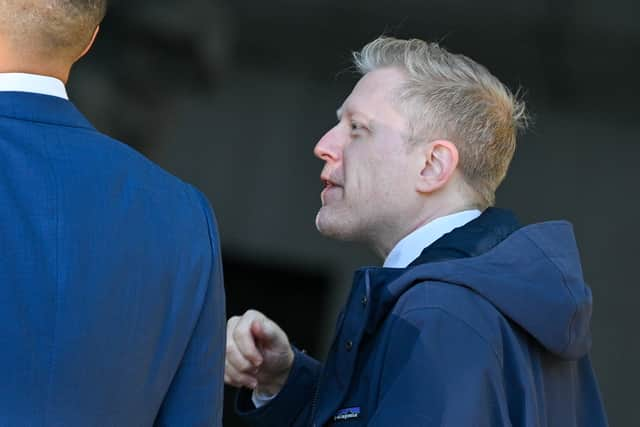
<point x="488" y="327"/>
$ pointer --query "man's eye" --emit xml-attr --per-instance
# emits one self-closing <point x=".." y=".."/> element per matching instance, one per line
<point x="356" y="126"/>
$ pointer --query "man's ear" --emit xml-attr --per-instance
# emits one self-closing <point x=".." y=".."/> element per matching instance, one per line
<point x="93" y="39"/>
<point x="440" y="160"/>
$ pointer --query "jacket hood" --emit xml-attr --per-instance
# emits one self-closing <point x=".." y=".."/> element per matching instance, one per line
<point x="533" y="276"/>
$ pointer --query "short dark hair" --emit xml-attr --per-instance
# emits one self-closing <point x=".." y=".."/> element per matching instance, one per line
<point x="58" y="28"/>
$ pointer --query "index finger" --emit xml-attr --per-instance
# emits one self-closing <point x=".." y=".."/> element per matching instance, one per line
<point x="244" y="339"/>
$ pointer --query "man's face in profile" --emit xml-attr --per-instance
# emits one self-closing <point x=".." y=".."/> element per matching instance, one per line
<point x="369" y="168"/>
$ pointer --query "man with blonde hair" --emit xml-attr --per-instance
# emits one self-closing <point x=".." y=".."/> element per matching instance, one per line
<point x="473" y="319"/>
<point x="111" y="297"/>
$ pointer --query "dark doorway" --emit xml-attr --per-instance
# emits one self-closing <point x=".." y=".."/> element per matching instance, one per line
<point x="293" y="297"/>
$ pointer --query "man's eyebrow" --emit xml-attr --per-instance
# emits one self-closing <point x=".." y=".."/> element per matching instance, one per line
<point x="339" y="112"/>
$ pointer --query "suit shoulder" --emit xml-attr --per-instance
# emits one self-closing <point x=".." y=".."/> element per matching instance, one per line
<point x="109" y="167"/>
<point x="147" y="170"/>
<point x="115" y="162"/>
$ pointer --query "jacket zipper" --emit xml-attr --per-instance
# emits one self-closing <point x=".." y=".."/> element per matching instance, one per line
<point x="314" y="403"/>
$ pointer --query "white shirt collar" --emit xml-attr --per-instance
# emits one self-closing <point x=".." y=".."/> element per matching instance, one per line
<point x="33" y="83"/>
<point x="412" y="245"/>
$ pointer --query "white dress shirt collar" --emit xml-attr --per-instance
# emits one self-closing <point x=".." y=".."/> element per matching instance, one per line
<point x="412" y="245"/>
<point x="33" y="83"/>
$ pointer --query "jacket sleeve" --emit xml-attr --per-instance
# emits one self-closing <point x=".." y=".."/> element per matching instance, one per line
<point x="195" y="397"/>
<point x="292" y="406"/>
<point x="439" y="371"/>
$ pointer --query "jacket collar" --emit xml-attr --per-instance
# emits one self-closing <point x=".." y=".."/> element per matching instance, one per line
<point x="41" y="109"/>
<point x="473" y="239"/>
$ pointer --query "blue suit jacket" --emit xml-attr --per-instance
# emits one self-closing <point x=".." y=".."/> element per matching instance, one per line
<point x="111" y="296"/>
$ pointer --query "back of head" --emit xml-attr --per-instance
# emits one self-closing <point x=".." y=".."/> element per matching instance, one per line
<point x="449" y="96"/>
<point x="50" y="30"/>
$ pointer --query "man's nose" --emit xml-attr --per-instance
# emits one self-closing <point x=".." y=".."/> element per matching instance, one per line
<point x="330" y="145"/>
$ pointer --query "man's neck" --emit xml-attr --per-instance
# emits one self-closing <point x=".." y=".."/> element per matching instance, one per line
<point x="15" y="63"/>
<point x="384" y="246"/>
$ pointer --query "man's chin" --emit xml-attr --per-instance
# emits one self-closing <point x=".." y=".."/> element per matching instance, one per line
<point x="331" y="228"/>
<point x="321" y="224"/>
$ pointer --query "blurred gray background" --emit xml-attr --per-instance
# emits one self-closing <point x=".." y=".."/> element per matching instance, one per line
<point x="232" y="96"/>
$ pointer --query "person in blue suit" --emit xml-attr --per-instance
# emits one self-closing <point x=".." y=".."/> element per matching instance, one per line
<point x="111" y="295"/>
<point x="473" y="319"/>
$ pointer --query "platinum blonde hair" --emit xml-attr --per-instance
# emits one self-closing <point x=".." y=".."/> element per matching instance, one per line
<point x="449" y="96"/>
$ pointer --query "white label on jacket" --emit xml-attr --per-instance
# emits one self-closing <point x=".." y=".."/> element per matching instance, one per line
<point x="347" y="414"/>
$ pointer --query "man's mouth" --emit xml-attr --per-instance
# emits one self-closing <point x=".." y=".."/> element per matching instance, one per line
<point x="328" y="187"/>
<point x="327" y="184"/>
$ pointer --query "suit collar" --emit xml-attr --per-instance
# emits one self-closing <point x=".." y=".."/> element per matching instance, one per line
<point x="41" y="109"/>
